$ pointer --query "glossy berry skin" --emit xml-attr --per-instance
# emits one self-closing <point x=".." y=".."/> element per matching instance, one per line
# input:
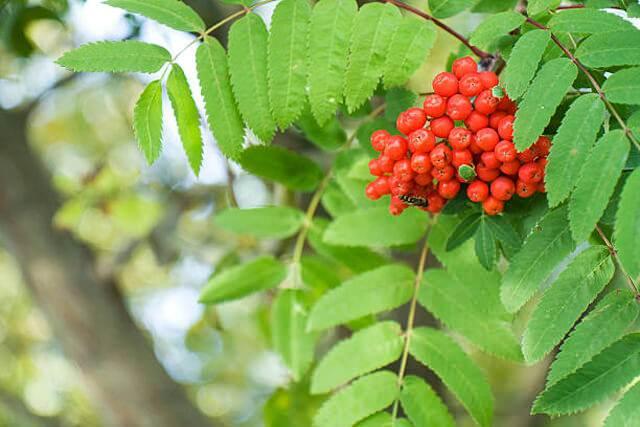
<point x="436" y="202"/>
<point x="397" y="206"/>
<point x="381" y="185"/>
<point x="525" y="189"/>
<point x="527" y="156"/>
<point x="476" y="121"/>
<point x="410" y="120"/>
<point x="461" y="157"/>
<point x="489" y="160"/>
<point x="445" y="84"/>
<point x="543" y="146"/>
<point x="442" y="126"/>
<point x="441" y="156"/>
<point x="487" y="139"/>
<point x="396" y="148"/>
<point x="402" y="170"/>
<point x="398" y="187"/>
<point x="507" y="106"/>
<point x="371" y="192"/>
<point x="385" y="163"/>
<point x="487" y="174"/>
<point x="486" y="103"/>
<point x="505" y="151"/>
<point x="435" y="105"/>
<point x="492" y="206"/>
<point x="505" y="127"/>
<point x="448" y="189"/>
<point x="443" y="174"/>
<point x="463" y="66"/>
<point x="374" y="167"/>
<point x="423" y="179"/>
<point x="421" y="141"/>
<point x="379" y="139"/>
<point x="510" y="168"/>
<point x="494" y="119"/>
<point x="470" y="85"/>
<point x="474" y="147"/>
<point x="489" y="79"/>
<point x="478" y="191"/>
<point x="460" y="138"/>
<point x="502" y="188"/>
<point x="421" y="163"/>
<point x="459" y="107"/>
<point x="542" y="162"/>
<point x="530" y="173"/>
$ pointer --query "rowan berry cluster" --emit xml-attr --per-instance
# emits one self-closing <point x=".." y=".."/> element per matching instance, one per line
<point x="462" y="137"/>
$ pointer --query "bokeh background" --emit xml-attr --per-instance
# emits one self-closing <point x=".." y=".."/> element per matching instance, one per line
<point x="102" y="257"/>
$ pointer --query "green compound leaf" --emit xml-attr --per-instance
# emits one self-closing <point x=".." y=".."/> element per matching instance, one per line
<point x="462" y="308"/>
<point x="362" y="398"/>
<point x="587" y="21"/>
<point x="417" y="38"/>
<point x="605" y="374"/>
<point x="494" y="27"/>
<point x="329" y="137"/>
<point x="422" y="405"/>
<point x="598" y="179"/>
<point x="373" y="29"/>
<point x="187" y="116"/>
<point x="147" y="121"/>
<point x="547" y="245"/>
<point x="464" y="231"/>
<point x="287" y="60"/>
<point x="222" y="112"/>
<point x="370" y="227"/>
<point x="330" y="32"/>
<point x="383" y="419"/>
<point x="281" y="165"/>
<point x="276" y="222"/>
<point x="541" y="100"/>
<point x="627" y="228"/>
<point x="623" y="87"/>
<point x="504" y="233"/>
<point x="172" y="13"/>
<point x="378" y="290"/>
<point x="248" y="69"/>
<point x="599" y="329"/>
<point x="626" y="413"/>
<point x="523" y="62"/>
<point x="448" y="8"/>
<point x="565" y="300"/>
<point x="571" y="146"/>
<point x="290" y="338"/>
<point x="239" y="281"/>
<point x="610" y="49"/>
<point x="486" y="249"/>
<point x="536" y="7"/>
<point x="116" y="57"/>
<point x="457" y="371"/>
<point x="367" y="350"/>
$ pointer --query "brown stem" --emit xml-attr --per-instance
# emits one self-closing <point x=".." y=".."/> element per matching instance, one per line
<point x="478" y="52"/>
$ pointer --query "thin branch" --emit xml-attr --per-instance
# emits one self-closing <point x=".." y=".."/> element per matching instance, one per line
<point x="614" y="254"/>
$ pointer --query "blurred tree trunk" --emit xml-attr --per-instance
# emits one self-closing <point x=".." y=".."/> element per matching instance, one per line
<point x="125" y="380"/>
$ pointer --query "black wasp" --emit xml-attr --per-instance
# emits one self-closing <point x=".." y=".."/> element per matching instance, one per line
<point x="414" y="201"/>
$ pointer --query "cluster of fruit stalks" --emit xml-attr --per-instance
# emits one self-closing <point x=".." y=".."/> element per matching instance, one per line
<point x="461" y="137"/>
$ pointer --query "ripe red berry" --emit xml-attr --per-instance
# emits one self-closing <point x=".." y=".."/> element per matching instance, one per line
<point x="374" y="167"/>
<point x="448" y="189"/>
<point x="443" y="174"/>
<point x="445" y="84"/>
<point x="460" y="138"/>
<point x="478" y="191"/>
<point x="505" y="127"/>
<point x="381" y="184"/>
<point x="436" y="202"/>
<point x="486" y="103"/>
<point x="423" y="179"/>
<point x="421" y="163"/>
<point x="530" y="173"/>
<point x="397" y="206"/>
<point x="489" y="159"/>
<point x="493" y="206"/>
<point x="487" y="174"/>
<point x="474" y="147"/>
<point x="386" y="163"/>
<point x="461" y="157"/>
<point x="440" y="156"/>
<point x="525" y="189"/>
<point x="410" y="120"/>
<point x="505" y="151"/>
<point x="459" y="107"/>
<point x="543" y="146"/>
<point x="489" y="79"/>
<point x="379" y="139"/>
<point x="371" y="192"/>
<point x="463" y="66"/>
<point x="402" y="170"/>
<point x="542" y="162"/>
<point x="470" y="85"/>
<point x="435" y="105"/>
<point x="541" y="187"/>
<point x="396" y="148"/>
<point x="476" y="121"/>
<point x="502" y="188"/>
<point x="421" y="141"/>
<point x="527" y="156"/>
<point x="442" y="126"/>
<point x="487" y="139"/>
<point x="399" y="187"/>
<point x="507" y="105"/>
<point x="494" y="119"/>
<point x="510" y="168"/>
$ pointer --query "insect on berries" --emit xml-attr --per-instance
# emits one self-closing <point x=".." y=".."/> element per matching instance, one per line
<point x="460" y="141"/>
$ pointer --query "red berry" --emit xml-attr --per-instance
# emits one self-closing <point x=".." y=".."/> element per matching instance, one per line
<point x="423" y="179"/>
<point x="461" y="157"/>
<point x="410" y="120"/>
<point x="527" y="156"/>
<point x="374" y="167"/>
<point x="530" y="173"/>
<point x="489" y="79"/>
<point x="487" y="139"/>
<point x="541" y="187"/>
<point x="436" y="202"/>
<point x="505" y="151"/>
<point x="435" y="105"/>
<point x="397" y="206"/>
<point x="492" y="206"/>
<point x="443" y="174"/>
<point x="386" y="163"/>
<point x="494" y="119"/>
<point x="396" y="148"/>
<point x="459" y="107"/>
<point x="487" y="174"/>
<point x="421" y="141"/>
<point x="442" y="126"/>
<point x="379" y="139"/>
<point x="381" y="184"/>
<point x="476" y="121"/>
<point x="510" y="168"/>
<point x="502" y="188"/>
<point x="525" y="189"/>
<point x="486" y="103"/>
<point x="507" y="105"/>
<point x="441" y="156"/>
<point x="371" y="192"/>
<point x="402" y="169"/>
<point x="470" y="85"/>
<point x="460" y="138"/>
<point x="474" y="147"/>
<point x="542" y="162"/>
<point x="420" y="163"/>
<point x="399" y="187"/>
<point x="463" y="66"/>
<point x="448" y="189"/>
<point x="478" y="191"/>
<point x="505" y="127"/>
<point x="489" y="160"/>
<point x="445" y="84"/>
<point x="543" y="146"/>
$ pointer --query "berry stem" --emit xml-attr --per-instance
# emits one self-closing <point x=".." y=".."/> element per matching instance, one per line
<point x="412" y="316"/>
<point x="614" y="254"/>
<point x="478" y="52"/>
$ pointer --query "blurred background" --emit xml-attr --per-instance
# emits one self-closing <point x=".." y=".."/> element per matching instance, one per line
<point x="102" y="257"/>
